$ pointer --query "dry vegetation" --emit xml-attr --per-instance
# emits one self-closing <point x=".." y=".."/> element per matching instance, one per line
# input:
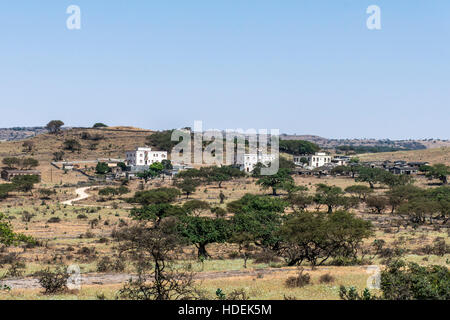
<point x="81" y="234"/>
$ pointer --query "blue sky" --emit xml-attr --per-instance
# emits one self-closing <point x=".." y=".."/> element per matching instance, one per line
<point x="305" y="67"/>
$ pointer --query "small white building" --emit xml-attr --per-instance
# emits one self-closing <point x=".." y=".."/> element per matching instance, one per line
<point x="144" y="156"/>
<point x="319" y="160"/>
<point x="247" y="162"/>
<point x="341" y="160"/>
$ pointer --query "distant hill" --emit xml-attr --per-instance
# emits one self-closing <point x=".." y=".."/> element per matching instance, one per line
<point x="326" y="143"/>
<point x="432" y="155"/>
<point x="20" y="133"/>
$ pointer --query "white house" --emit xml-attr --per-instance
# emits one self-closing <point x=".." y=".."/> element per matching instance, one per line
<point x="247" y="162"/>
<point x="144" y="156"/>
<point x="314" y="161"/>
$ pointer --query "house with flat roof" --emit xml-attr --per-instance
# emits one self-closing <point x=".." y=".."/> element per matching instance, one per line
<point x="143" y="156"/>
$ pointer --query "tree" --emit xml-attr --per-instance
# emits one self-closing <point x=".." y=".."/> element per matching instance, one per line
<point x="187" y="185"/>
<point x="58" y="155"/>
<point x="221" y="174"/>
<point x="438" y="171"/>
<point x="300" y="201"/>
<point x="54" y="126"/>
<point x="441" y="197"/>
<point x="202" y="231"/>
<point x="331" y="196"/>
<point x="360" y="191"/>
<point x="419" y="209"/>
<point x="99" y="125"/>
<point x="377" y="203"/>
<point x="370" y="175"/>
<point x="71" y="145"/>
<point x="8" y="237"/>
<point x="5" y="189"/>
<point x="167" y="164"/>
<point x="29" y="163"/>
<point x="25" y="183"/>
<point x="28" y="146"/>
<point x="257" y="218"/>
<point x="102" y="168"/>
<point x="162" y="140"/>
<point x="11" y="162"/>
<point x="159" y="279"/>
<point x="155" y="196"/>
<point x="277" y="181"/>
<point x="153" y="171"/>
<point x="196" y="207"/>
<point x="46" y="193"/>
<point x="316" y="237"/>
<point x="298" y="147"/>
<point x="400" y="194"/>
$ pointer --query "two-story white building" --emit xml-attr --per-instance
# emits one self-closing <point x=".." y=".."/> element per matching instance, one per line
<point x="319" y="159"/>
<point x="247" y="162"/>
<point x="144" y="156"/>
<point x="316" y="160"/>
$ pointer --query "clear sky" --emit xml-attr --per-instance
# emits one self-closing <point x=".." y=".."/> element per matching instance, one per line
<point x="305" y="67"/>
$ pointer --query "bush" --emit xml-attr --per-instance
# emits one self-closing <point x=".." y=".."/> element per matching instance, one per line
<point x="54" y="220"/>
<point x="298" y="281"/>
<point x="326" y="278"/>
<point x="265" y="256"/>
<point x="53" y="282"/>
<point x="401" y="281"/>
<point x="106" y="264"/>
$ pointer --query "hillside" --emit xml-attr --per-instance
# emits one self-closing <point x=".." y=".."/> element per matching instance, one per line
<point x="110" y="143"/>
<point x="434" y="155"/>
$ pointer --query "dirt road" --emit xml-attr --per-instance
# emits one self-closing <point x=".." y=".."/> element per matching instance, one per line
<point x="119" y="278"/>
<point x="81" y="193"/>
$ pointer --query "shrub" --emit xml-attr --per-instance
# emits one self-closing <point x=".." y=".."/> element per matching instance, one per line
<point x="106" y="264"/>
<point x="299" y="281"/>
<point x="326" y="278"/>
<point x="54" y="220"/>
<point x="53" y="282"/>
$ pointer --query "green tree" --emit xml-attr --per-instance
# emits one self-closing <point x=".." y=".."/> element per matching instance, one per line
<point x="330" y="196"/>
<point x="398" y="195"/>
<point x="296" y="147"/>
<point x="276" y="181"/>
<point x="315" y="236"/>
<point x="54" y="126"/>
<point x="196" y="207"/>
<point x="102" y="168"/>
<point x="438" y="171"/>
<point x="202" y="231"/>
<point x="258" y="218"/>
<point x="370" y="175"/>
<point x="11" y="162"/>
<point x="8" y="237"/>
<point x="99" y="125"/>
<point x="187" y="185"/>
<point x="71" y="145"/>
<point x="162" y="140"/>
<point x="360" y="191"/>
<point x="25" y="183"/>
<point x="29" y="163"/>
<point x="402" y="281"/>
<point x="377" y="203"/>
<point x="155" y="196"/>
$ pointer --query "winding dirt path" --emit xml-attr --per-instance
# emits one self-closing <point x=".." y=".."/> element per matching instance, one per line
<point x="81" y="195"/>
